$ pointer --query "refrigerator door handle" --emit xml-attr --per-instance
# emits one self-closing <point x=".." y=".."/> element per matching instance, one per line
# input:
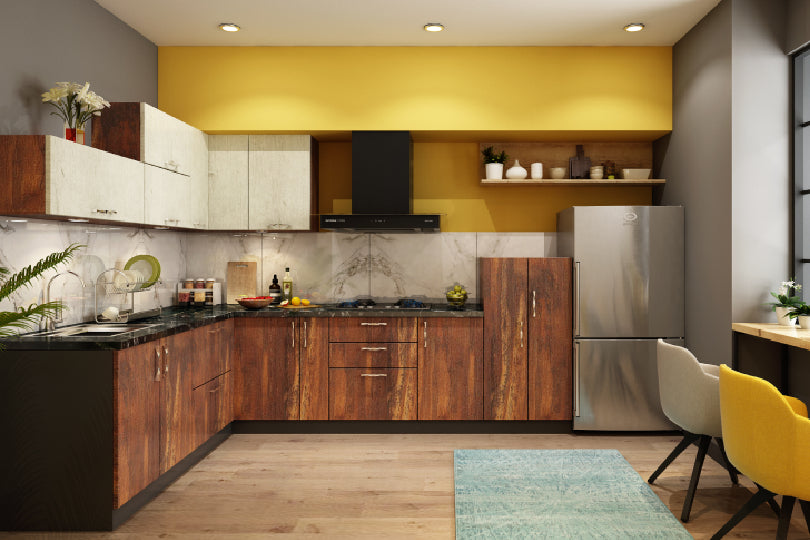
<point x="576" y="379"/>
<point x="577" y="304"/>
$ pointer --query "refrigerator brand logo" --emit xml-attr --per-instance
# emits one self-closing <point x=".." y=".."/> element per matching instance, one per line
<point x="630" y="218"/>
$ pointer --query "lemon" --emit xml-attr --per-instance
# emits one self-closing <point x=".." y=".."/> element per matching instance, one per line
<point x="295" y="301"/>
<point x="304" y="302"/>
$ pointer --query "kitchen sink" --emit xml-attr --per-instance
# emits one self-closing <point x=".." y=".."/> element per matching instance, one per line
<point x="91" y="330"/>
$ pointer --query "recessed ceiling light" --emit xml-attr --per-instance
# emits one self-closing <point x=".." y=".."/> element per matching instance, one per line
<point x="229" y="27"/>
<point x="634" y="27"/>
<point x="18" y="221"/>
<point x="434" y="27"/>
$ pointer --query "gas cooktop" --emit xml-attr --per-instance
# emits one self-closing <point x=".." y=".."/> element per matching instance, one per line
<point x="368" y="303"/>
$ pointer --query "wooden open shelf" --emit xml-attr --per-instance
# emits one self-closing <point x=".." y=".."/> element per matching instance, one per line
<point x="573" y="182"/>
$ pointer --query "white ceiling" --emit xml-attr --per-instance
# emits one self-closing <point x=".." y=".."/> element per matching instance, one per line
<point x="399" y="22"/>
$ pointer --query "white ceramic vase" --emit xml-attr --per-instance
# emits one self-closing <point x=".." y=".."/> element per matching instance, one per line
<point x="494" y="171"/>
<point x="516" y="171"/>
<point x="782" y="316"/>
<point x="804" y="321"/>
<point x="537" y="170"/>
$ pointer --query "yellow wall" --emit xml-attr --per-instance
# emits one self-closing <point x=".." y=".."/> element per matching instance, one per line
<point x="324" y="90"/>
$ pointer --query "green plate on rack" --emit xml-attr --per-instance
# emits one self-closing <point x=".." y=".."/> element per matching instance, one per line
<point x="148" y="266"/>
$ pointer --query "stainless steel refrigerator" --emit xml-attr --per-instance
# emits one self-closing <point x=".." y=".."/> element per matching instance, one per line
<point x="628" y="292"/>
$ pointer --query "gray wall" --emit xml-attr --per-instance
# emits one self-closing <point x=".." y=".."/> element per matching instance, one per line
<point x="695" y="160"/>
<point x="727" y="162"/>
<point x="798" y="28"/>
<point x="760" y="202"/>
<point x="46" y="41"/>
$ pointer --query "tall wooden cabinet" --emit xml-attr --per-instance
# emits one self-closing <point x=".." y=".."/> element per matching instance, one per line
<point x="313" y="359"/>
<point x="528" y="338"/>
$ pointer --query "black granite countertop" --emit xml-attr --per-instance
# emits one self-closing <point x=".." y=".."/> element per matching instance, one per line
<point x="174" y="320"/>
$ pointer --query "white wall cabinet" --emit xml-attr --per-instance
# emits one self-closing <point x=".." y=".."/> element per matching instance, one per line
<point x="84" y="182"/>
<point x="166" y="198"/>
<point x="280" y="172"/>
<point x="228" y="182"/>
<point x="260" y="181"/>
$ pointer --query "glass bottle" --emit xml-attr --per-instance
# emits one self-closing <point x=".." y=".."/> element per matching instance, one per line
<point x="287" y="285"/>
<point x="275" y="290"/>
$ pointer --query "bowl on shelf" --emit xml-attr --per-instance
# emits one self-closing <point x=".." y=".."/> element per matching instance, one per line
<point x="636" y="174"/>
<point x="254" y="303"/>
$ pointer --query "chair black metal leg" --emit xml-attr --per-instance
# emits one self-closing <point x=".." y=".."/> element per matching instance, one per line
<point x="732" y="470"/>
<point x="703" y="447"/>
<point x="806" y="511"/>
<point x="784" y="517"/>
<point x="771" y="502"/>
<point x="758" y="498"/>
<point x="688" y="438"/>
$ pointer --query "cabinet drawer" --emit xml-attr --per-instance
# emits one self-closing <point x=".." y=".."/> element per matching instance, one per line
<point x="366" y="355"/>
<point x="372" y="394"/>
<point x="372" y="330"/>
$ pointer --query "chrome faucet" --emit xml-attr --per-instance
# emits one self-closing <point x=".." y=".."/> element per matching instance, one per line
<point x="57" y="316"/>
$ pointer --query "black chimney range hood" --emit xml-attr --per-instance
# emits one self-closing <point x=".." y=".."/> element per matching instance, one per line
<point x="382" y="187"/>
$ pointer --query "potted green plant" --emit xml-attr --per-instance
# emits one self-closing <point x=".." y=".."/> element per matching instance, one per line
<point x="25" y="317"/>
<point x="801" y="312"/>
<point x="493" y="163"/>
<point x="787" y="299"/>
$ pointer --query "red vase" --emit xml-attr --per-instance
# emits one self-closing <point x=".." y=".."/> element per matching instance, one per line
<point x="74" y="134"/>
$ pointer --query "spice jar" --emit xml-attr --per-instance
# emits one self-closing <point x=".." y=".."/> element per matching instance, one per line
<point x="209" y="283"/>
<point x="209" y="298"/>
<point x="199" y="283"/>
<point x="182" y="298"/>
<point x="188" y="283"/>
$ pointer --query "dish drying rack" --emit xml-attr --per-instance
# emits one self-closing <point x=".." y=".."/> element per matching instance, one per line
<point x="121" y="284"/>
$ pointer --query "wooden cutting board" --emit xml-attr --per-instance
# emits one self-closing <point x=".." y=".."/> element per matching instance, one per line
<point x="240" y="279"/>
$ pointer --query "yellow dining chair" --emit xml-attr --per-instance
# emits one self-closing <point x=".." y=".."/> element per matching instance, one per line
<point x="767" y="437"/>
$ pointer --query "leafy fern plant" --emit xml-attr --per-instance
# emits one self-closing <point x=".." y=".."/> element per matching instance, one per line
<point x="25" y="317"/>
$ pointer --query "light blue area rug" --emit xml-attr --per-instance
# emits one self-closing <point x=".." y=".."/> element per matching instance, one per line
<point x="581" y="494"/>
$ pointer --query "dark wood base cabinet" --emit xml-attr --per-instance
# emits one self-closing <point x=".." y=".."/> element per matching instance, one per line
<point x="95" y="434"/>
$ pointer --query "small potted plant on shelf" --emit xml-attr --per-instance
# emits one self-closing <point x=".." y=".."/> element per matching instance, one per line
<point x="802" y="314"/>
<point x="788" y="299"/>
<point x="75" y="104"/>
<point x="493" y="163"/>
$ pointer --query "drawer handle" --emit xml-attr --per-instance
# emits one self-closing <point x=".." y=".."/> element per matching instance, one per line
<point x="373" y="324"/>
<point x="373" y="348"/>
<point x="374" y="374"/>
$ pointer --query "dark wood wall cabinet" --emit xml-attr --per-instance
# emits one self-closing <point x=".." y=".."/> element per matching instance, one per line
<point x="528" y="338"/>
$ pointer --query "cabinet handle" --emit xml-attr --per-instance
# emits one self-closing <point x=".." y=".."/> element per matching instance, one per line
<point x="305" y="334"/>
<point x="373" y="324"/>
<point x="520" y="323"/>
<point x="374" y="374"/>
<point x="166" y="356"/>
<point x="534" y="304"/>
<point x="373" y="348"/>
<point x="293" y="334"/>
<point x="576" y="379"/>
<point x="424" y="334"/>
<point x="101" y="211"/>
<point x="157" y="363"/>
<point x="577" y="311"/>
<point x="172" y="165"/>
<point x="171" y="222"/>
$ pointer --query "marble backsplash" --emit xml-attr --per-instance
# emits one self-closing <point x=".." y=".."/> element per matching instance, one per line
<point x="326" y="267"/>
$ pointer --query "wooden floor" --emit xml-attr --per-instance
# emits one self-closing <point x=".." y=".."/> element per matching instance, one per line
<point x="391" y="486"/>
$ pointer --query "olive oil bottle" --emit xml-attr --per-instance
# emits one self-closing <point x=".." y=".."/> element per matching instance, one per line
<point x="287" y="285"/>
